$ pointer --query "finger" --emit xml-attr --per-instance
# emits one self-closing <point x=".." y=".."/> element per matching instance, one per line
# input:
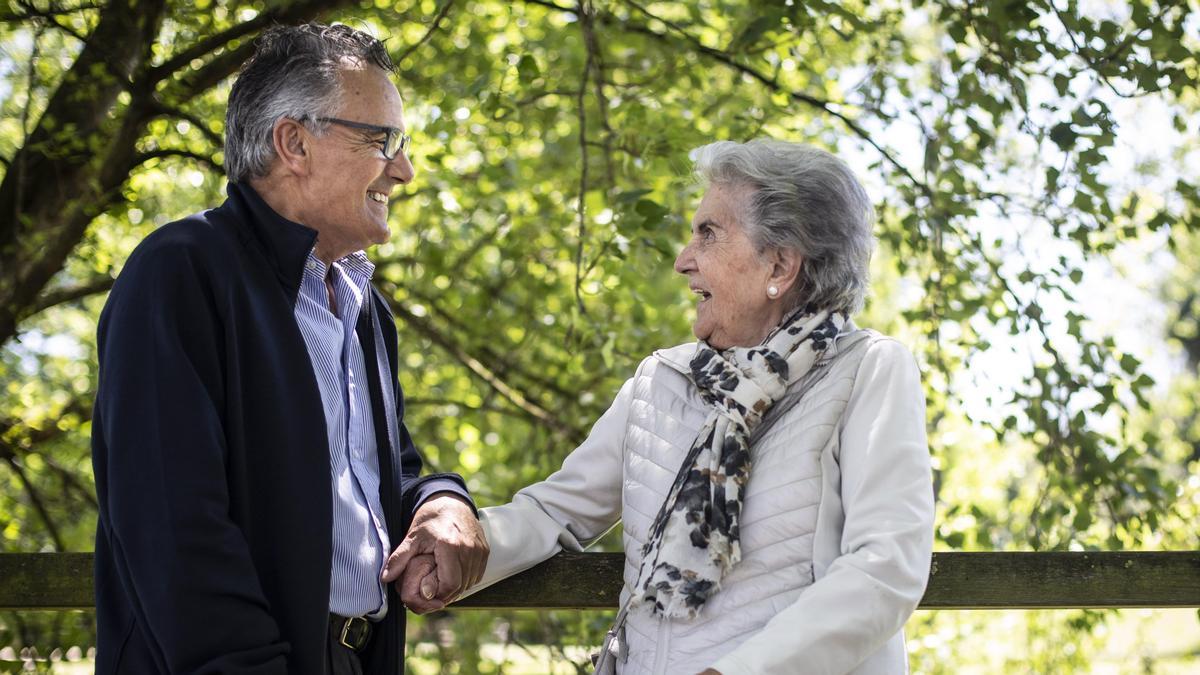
<point x="469" y="561"/>
<point x="474" y="559"/>
<point x="478" y="562"/>
<point x="419" y="605"/>
<point x="429" y="586"/>
<point x="420" y="569"/>
<point x="398" y="561"/>
<point x="449" y="572"/>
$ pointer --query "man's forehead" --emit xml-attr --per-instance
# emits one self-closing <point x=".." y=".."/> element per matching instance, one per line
<point x="372" y="87"/>
<point x="357" y="69"/>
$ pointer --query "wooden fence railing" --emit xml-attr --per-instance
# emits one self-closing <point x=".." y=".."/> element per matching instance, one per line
<point x="593" y="581"/>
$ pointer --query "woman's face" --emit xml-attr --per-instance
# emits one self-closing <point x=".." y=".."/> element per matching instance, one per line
<point x="727" y="273"/>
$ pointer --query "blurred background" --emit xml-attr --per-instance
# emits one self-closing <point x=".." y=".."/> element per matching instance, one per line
<point x="1033" y="165"/>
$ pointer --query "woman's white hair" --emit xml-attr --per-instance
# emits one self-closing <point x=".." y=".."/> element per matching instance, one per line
<point x="803" y="199"/>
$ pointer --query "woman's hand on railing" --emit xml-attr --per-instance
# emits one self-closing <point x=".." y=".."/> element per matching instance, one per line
<point x="418" y="585"/>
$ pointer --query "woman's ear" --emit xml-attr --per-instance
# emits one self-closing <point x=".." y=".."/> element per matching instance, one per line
<point x="785" y="269"/>
<point x="292" y="145"/>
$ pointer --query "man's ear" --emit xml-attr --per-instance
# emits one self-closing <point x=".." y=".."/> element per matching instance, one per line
<point x="785" y="269"/>
<point x="292" y="142"/>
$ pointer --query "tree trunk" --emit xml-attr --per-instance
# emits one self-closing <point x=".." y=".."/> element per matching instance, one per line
<point x="74" y="163"/>
<point x="52" y="189"/>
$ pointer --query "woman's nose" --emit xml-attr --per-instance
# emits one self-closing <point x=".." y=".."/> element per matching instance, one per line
<point x="684" y="262"/>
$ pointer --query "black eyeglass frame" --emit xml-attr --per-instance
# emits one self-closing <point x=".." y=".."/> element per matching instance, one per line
<point x="396" y="140"/>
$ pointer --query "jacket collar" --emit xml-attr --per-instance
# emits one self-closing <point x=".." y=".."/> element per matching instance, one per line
<point x="679" y="357"/>
<point x="285" y="244"/>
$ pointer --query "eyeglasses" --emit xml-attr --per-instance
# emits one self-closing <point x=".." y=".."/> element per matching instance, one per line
<point x="396" y="141"/>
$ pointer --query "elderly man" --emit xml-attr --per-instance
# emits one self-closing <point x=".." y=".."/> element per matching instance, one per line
<point x="252" y="464"/>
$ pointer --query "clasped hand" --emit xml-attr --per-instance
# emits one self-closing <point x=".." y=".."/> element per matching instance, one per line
<point x="443" y="554"/>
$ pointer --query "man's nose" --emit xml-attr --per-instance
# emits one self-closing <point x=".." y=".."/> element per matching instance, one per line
<point x="401" y="169"/>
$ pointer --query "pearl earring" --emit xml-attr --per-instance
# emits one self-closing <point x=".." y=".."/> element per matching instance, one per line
<point x="772" y="292"/>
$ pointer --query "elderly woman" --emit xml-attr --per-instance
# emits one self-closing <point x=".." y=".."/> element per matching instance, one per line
<point x="773" y="478"/>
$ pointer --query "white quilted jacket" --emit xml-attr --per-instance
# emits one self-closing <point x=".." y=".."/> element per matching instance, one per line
<point x="837" y="524"/>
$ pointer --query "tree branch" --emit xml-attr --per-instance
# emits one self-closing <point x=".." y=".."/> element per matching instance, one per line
<point x="209" y="75"/>
<point x="71" y="480"/>
<point x="59" y="296"/>
<point x="31" y="76"/>
<point x="725" y="58"/>
<point x="500" y="365"/>
<point x="1094" y="64"/>
<point x="225" y="64"/>
<point x="534" y="98"/>
<point x="63" y="173"/>
<point x="596" y="58"/>
<point x="531" y="409"/>
<point x="32" y="438"/>
<point x="773" y="84"/>
<point x="143" y="157"/>
<point x="551" y="5"/>
<point x="437" y="20"/>
<point x="417" y="401"/>
<point x="584" y="12"/>
<point x="35" y="499"/>
<point x="489" y="237"/>
<point x="207" y="46"/>
<point x="48" y="17"/>
<point x="34" y="12"/>
<point x="213" y="137"/>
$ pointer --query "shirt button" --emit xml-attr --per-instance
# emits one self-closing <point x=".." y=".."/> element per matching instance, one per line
<point x="311" y="265"/>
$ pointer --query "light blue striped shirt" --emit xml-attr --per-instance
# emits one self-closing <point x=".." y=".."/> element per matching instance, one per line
<point x="360" y="538"/>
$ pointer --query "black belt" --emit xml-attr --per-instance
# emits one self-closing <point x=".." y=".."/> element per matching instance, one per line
<point x="353" y="632"/>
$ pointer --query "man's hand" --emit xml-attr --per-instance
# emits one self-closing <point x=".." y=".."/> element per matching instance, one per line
<point x="446" y="528"/>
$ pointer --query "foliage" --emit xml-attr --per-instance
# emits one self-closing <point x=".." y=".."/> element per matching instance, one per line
<point x="531" y="264"/>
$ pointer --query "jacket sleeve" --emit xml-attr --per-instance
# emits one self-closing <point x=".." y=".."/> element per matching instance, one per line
<point x="162" y="472"/>
<point x="570" y="509"/>
<point x="416" y="488"/>
<point x="870" y="590"/>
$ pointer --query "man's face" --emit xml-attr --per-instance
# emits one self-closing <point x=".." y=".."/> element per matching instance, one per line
<point x="351" y="181"/>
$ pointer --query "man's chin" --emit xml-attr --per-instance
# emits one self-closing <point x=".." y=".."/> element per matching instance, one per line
<point x="381" y="236"/>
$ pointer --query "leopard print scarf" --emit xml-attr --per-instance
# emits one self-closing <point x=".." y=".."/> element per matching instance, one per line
<point x="693" y="542"/>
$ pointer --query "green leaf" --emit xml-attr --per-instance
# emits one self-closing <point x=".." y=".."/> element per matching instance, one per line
<point x="1063" y="136"/>
<point x="527" y="68"/>
<point x="753" y="32"/>
<point x="631" y="196"/>
<point x="652" y="213"/>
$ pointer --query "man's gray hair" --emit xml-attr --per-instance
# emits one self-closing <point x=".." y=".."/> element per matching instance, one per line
<point x="294" y="73"/>
<point x="807" y="200"/>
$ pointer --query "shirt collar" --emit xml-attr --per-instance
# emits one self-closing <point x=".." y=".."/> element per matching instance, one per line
<point x="357" y="267"/>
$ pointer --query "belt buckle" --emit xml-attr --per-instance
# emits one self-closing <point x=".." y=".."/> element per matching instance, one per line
<point x="352" y="637"/>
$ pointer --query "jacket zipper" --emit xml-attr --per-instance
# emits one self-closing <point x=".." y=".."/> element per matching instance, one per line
<point x="663" y="646"/>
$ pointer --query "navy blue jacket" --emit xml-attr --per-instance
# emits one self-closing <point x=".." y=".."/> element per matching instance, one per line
<point x="213" y="549"/>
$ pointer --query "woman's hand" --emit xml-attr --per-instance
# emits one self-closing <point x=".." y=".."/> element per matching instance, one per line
<point x="418" y="585"/>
